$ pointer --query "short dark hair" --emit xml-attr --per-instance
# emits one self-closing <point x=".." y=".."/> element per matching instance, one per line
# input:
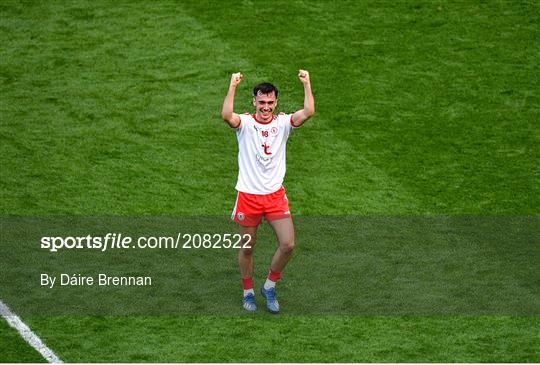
<point x="265" y="88"/>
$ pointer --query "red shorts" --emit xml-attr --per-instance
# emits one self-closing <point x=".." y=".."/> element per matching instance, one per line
<point x="251" y="208"/>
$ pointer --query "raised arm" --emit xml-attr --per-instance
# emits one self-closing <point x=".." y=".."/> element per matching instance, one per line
<point x="299" y="117"/>
<point x="228" y="104"/>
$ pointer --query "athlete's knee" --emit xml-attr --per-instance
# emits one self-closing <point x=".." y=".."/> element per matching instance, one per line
<point x="247" y="250"/>
<point x="287" y="246"/>
<point x="247" y="242"/>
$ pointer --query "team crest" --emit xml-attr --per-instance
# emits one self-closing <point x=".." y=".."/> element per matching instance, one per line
<point x="273" y="131"/>
<point x="240" y="216"/>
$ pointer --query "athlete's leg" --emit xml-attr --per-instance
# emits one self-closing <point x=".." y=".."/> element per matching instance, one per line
<point x="284" y="230"/>
<point x="245" y="255"/>
<point x="245" y="261"/>
<point x="248" y="215"/>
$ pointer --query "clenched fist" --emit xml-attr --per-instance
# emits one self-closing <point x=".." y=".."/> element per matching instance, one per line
<point x="303" y="75"/>
<point x="236" y="78"/>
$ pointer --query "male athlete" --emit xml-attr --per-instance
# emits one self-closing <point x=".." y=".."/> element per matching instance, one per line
<point x="262" y="138"/>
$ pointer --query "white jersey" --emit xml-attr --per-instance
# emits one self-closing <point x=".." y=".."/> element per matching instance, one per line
<point x="261" y="153"/>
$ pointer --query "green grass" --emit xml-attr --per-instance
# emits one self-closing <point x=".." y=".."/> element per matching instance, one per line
<point x="14" y="348"/>
<point x="293" y="339"/>
<point x="423" y="109"/>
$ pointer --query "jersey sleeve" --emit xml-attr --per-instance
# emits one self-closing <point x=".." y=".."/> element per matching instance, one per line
<point x="243" y="122"/>
<point x="286" y="120"/>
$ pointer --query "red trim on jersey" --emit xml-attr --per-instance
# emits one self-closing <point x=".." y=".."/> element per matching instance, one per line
<point x="238" y="126"/>
<point x="258" y="121"/>
<point x="294" y="126"/>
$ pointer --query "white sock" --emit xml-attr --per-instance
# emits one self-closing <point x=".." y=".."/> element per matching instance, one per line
<point x="269" y="284"/>
<point x="248" y="291"/>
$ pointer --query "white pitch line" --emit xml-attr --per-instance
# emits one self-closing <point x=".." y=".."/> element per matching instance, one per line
<point x="33" y="340"/>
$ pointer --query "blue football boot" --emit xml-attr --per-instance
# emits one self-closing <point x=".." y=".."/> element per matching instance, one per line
<point x="249" y="303"/>
<point x="271" y="299"/>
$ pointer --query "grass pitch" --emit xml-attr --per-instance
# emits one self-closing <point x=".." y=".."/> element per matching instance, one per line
<point x="423" y="109"/>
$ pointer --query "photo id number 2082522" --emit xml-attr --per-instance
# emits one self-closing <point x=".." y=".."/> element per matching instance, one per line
<point x="217" y="240"/>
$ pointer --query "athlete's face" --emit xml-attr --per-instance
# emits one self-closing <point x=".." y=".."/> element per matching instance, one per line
<point x="265" y="105"/>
